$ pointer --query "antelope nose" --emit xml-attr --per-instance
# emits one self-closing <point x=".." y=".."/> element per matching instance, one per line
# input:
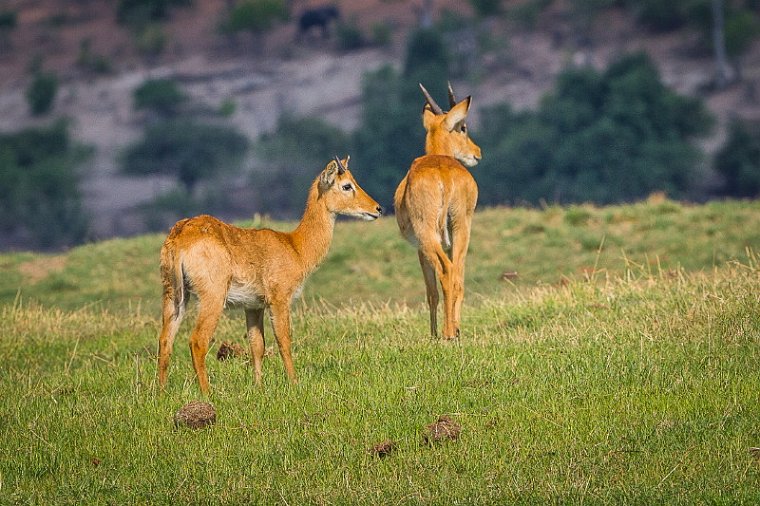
<point x="379" y="210"/>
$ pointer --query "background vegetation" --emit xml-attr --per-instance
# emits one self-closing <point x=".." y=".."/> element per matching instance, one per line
<point x="40" y="202"/>
<point x="603" y="136"/>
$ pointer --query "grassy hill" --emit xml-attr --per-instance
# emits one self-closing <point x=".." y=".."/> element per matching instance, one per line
<point x="371" y="263"/>
<point x="620" y="366"/>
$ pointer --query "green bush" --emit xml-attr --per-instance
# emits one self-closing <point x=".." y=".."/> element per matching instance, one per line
<point x="88" y="60"/>
<point x="605" y="138"/>
<point x="256" y="16"/>
<point x="227" y="108"/>
<point x="662" y="15"/>
<point x="742" y="28"/>
<point x="40" y="201"/>
<point x="189" y="150"/>
<point x="139" y="12"/>
<point x="349" y="36"/>
<point x="486" y="7"/>
<point x="150" y="39"/>
<point x="163" y="96"/>
<point x="8" y="20"/>
<point x="738" y="161"/>
<point x="526" y="13"/>
<point x="382" y="34"/>
<point x="426" y="52"/>
<point x="41" y="93"/>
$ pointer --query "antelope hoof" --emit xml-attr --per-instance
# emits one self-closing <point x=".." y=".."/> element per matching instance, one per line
<point x="451" y="338"/>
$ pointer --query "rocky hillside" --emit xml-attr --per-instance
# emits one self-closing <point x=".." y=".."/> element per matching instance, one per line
<point x="100" y="62"/>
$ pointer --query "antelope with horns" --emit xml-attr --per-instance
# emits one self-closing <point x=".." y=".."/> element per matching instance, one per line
<point x="434" y="206"/>
<point x="255" y="269"/>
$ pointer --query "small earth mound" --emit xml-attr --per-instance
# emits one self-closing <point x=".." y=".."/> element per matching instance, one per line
<point x="443" y="429"/>
<point x="195" y="415"/>
<point x="229" y="350"/>
<point x="509" y="275"/>
<point x="382" y="449"/>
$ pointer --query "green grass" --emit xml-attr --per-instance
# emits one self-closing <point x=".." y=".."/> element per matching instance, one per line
<point x="626" y="373"/>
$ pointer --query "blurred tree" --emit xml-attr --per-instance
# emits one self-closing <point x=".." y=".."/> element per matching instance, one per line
<point x="295" y="152"/>
<point x="40" y="203"/>
<point x="162" y="96"/>
<point x="189" y="150"/>
<point x="728" y="28"/>
<point x="661" y="15"/>
<point x="738" y="161"/>
<point x="486" y="8"/>
<point x="391" y="135"/>
<point x="609" y="137"/>
<point x="141" y="12"/>
<point x="41" y="93"/>
<point x="722" y="69"/>
<point x="255" y="16"/>
<point x="7" y="25"/>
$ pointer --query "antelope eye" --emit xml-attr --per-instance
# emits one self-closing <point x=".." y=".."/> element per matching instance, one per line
<point x="347" y="187"/>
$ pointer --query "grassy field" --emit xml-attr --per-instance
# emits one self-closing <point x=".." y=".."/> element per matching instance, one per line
<point x="620" y="366"/>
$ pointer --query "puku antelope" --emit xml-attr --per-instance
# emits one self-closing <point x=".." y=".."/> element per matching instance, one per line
<point x="254" y="269"/>
<point x="434" y="206"/>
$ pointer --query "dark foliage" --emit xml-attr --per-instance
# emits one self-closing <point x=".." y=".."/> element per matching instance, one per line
<point x="8" y="20"/>
<point x="605" y="138"/>
<point x="137" y="12"/>
<point x="160" y="95"/>
<point x="738" y="161"/>
<point x="189" y="150"/>
<point x="40" y="203"/>
<point x="255" y="16"/>
<point x="41" y="93"/>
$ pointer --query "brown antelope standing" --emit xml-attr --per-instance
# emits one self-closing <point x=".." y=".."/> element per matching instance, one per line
<point x="434" y="206"/>
<point x="254" y="269"/>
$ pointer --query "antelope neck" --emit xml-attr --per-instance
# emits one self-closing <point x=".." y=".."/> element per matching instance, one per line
<point x="313" y="235"/>
<point x="433" y="148"/>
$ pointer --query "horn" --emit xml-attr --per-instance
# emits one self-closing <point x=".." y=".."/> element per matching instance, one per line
<point x="433" y="105"/>
<point x="341" y="167"/>
<point x="452" y="96"/>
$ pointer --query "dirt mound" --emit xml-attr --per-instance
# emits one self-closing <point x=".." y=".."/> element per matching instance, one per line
<point x="230" y="350"/>
<point x="444" y="429"/>
<point x="195" y="415"/>
<point x="382" y="449"/>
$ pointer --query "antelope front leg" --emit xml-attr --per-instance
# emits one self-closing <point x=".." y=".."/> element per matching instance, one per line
<point x="254" y="319"/>
<point x="281" y="325"/>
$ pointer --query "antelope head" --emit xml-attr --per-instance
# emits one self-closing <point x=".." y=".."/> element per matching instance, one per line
<point x="343" y="195"/>
<point x="447" y="131"/>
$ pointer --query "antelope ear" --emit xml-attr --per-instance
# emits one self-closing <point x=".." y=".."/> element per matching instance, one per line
<point x="327" y="177"/>
<point x="428" y="117"/>
<point x="342" y="164"/>
<point x="457" y="114"/>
